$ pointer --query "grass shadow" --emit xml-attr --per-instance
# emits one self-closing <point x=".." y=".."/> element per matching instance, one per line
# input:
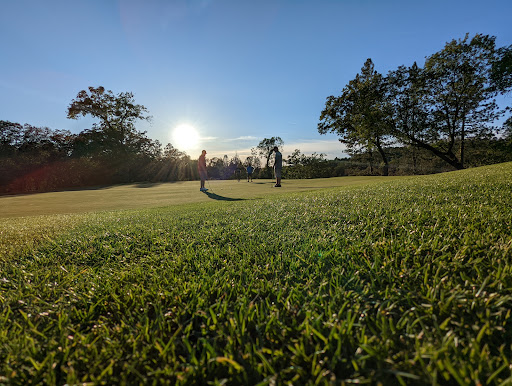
<point x="69" y="189"/>
<point x="214" y="196"/>
<point x="147" y="184"/>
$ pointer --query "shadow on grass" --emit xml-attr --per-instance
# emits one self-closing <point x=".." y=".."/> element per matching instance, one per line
<point x="69" y="189"/>
<point x="147" y="184"/>
<point x="214" y="196"/>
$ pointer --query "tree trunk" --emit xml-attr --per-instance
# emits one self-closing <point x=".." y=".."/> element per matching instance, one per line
<point x="448" y="157"/>
<point x="370" y="158"/>
<point x="414" y="161"/>
<point x="385" y="171"/>
<point x="462" y="135"/>
<point x="268" y="159"/>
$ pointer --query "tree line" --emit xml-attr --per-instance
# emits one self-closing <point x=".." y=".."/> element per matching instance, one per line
<point x="39" y="159"/>
<point x="34" y="159"/>
<point x="435" y="109"/>
<point x="112" y="151"/>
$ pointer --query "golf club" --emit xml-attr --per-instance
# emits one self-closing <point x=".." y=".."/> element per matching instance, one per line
<point x="209" y="186"/>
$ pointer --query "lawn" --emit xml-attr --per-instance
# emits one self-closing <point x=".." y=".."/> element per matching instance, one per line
<point x="148" y="195"/>
<point x="403" y="280"/>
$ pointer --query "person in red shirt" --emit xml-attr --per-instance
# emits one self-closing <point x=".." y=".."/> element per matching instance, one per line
<point x="201" y="168"/>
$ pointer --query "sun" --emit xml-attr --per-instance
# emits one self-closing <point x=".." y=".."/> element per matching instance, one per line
<point x="185" y="137"/>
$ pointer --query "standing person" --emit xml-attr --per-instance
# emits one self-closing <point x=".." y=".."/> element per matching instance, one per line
<point x="238" y="173"/>
<point x="201" y="168"/>
<point x="278" y="166"/>
<point x="250" y="169"/>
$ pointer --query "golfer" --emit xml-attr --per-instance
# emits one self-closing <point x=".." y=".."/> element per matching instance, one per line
<point x="278" y="166"/>
<point x="201" y="168"/>
<point x="238" y="173"/>
<point x="250" y="169"/>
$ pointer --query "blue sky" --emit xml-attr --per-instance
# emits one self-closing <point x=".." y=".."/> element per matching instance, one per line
<point x="236" y="70"/>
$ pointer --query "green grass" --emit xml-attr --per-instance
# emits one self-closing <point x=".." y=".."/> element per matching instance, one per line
<point x="148" y="195"/>
<point x="400" y="281"/>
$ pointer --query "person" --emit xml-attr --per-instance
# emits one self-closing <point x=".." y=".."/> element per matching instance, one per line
<point x="201" y="168"/>
<point x="238" y="173"/>
<point x="278" y="166"/>
<point x="250" y="169"/>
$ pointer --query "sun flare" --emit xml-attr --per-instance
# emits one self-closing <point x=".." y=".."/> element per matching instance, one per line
<point x="185" y="137"/>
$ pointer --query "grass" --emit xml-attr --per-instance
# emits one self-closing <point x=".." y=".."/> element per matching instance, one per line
<point x="403" y="281"/>
<point x="148" y="195"/>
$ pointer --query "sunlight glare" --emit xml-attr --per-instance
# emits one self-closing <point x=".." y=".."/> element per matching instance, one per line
<point x="185" y="137"/>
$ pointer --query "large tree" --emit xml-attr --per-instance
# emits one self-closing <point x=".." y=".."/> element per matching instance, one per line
<point x="117" y="115"/>
<point x="460" y="95"/>
<point x="359" y="115"/>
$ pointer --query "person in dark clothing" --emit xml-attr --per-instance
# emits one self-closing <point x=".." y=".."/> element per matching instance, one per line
<point x="278" y="166"/>
<point x="201" y="168"/>
<point x="250" y="170"/>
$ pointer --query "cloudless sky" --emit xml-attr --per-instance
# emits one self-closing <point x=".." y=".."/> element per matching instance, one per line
<point x="236" y="70"/>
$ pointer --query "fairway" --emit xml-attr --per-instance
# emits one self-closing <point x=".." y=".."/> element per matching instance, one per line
<point x="147" y="195"/>
<point x="397" y="281"/>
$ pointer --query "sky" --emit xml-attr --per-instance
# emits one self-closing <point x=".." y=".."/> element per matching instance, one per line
<point x="232" y="71"/>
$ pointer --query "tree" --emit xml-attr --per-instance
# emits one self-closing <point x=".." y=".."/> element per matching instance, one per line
<point x="10" y="137"/>
<point x="266" y="146"/>
<point x="507" y="129"/>
<point x="501" y="72"/>
<point x="405" y="90"/>
<point x="460" y="95"/>
<point x="173" y="165"/>
<point x="117" y="115"/>
<point x="33" y="158"/>
<point x="215" y="167"/>
<point x="170" y="152"/>
<point x="359" y="115"/>
<point x="253" y="161"/>
<point x="303" y="166"/>
<point x="43" y="142"/>
<point x="254" y="158"/>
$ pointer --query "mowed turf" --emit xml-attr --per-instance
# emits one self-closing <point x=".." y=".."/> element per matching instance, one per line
<point x="147" y="195"/>
<point x="405" y="281"/>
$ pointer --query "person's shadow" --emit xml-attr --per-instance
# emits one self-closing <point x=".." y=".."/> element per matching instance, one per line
<point x="214" y="196"/>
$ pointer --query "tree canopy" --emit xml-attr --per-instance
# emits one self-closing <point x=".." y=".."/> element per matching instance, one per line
<point x="117" y="114"/>
<point x="501" y="73"/>
<point x="435" y="108"/>
<point x="359" y="115"/>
